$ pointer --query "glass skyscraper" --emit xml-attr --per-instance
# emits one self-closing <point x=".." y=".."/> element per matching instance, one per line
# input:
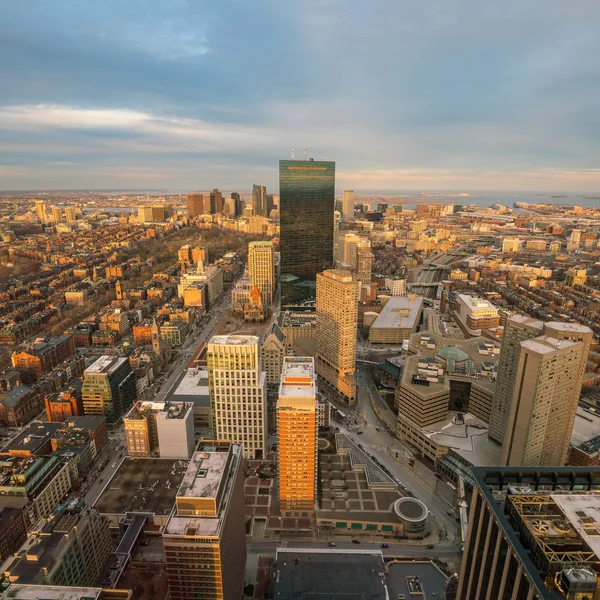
<point x="306" y="205"/>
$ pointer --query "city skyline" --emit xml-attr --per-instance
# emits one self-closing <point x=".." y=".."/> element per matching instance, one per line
<point x="405" y="97"/>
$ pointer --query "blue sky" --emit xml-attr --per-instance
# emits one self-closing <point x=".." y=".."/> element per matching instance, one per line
<point x="178" y="94"/>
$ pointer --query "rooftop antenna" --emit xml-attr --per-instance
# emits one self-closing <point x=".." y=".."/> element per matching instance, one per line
<point x="305" y="153"/>
<point x="292" y="154"/>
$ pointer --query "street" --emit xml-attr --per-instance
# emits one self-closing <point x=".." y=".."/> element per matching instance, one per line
<point x="379" y="442"/>
<point x="198" y="336"/>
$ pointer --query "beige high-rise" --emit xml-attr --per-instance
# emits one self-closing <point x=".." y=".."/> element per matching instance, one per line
<point x="237" y="387"/>
<point x="348" y="205"/>
<point x="516" y="330"/>
<point x="337" y="315"/>
<point x="261" y="268"/>
<point x="364" y="261"/>
<point x="297" y="435"/>
<point x="41" y="210"/>
<point x="546" y="390"/>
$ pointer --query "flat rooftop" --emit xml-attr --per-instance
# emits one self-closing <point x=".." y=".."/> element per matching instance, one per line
<point x="431" y="579"/>
<point x="143" y="485"/>
<point x="569" y="327"/>
<point x="237" y="340"/>
<point x="475" y="304"/>
<point x="445" y="349"/>
<point x="468" y="439"/>
<point x="325" y="574"/>
<point x="198" y="484"/>
<point x="585" y="427"/>
<point x="191" y="386"/>
<point x="51" y="592"/>
<point x="399" y="312"/>
<point x="547" y="345"/>
<point x="106" y="364"/>
<point x="298" y="377"/>
<point x="580" y="510"/>
<point x="203" y="476"/>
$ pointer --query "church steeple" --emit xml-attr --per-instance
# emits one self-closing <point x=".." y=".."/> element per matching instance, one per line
<point x="156" y="337"/>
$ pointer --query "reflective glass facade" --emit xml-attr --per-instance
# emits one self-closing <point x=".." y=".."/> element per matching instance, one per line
<point x="306" y="205"/>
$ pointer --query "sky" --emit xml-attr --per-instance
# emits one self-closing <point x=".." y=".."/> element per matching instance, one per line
<point x="195" y="94"/>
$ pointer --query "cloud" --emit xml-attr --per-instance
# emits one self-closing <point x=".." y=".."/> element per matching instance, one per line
<point x="458" y="90"/>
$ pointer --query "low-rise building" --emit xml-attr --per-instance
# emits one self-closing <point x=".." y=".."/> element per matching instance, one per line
<point x="164" y="428"/>
<point x="70" y="548"/>
<point x="576" y="276"/>
<point x="36" y="482"/>
<point x="297" y="325"/>
<point x="174" y="333"/>
<point x="65" y="404"/>
<point x="19" y="404"/>
<point x="397" y="321"/>
<point x="474" y="314"/>
<point x="43" y="356"/>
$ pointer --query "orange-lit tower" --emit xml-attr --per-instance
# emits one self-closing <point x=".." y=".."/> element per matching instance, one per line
<point x="297" y="433"/>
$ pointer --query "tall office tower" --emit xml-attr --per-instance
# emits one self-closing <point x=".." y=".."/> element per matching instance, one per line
<point x="195" y="203"/>
<point x="337" y="316"/>
<point x="516" y="330"/>
<point x="70" y="214"/>
<point x="108" y="388"/>
<point x="57" y="214"/>
<point x="41" y="210"/>
<point x="270" y="204"/>
<point x="364" y="261"/>
<point x="238" y="204"/>
<point x="160" y="212"/>
<point x="348" y="205"/>
<point x="259" y="200"/>
<point x="509" y="416"/>
<point x="206" y="204"/>
<point x="532" y="535"/>
<point x="229" y="208"/>
<point x="546" y="391"/>
<point x="216" y="202"/>
<point x="261" y="268"/>
<point x="205" y="539"/>
<point x="306" y="206"/>
<point x="238" y="390"/>
<point x="297" y="436"/>
<point x="145" y="214"/>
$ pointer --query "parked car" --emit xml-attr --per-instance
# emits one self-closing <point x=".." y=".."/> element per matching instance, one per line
<point x="359" y="432"/>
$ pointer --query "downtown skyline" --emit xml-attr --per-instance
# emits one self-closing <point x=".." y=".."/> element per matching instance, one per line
<point x="454" y="97"/>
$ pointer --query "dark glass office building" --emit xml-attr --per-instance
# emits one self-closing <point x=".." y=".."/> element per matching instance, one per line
<point x="306" y="205"/>
<point x="532" y="534"/>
